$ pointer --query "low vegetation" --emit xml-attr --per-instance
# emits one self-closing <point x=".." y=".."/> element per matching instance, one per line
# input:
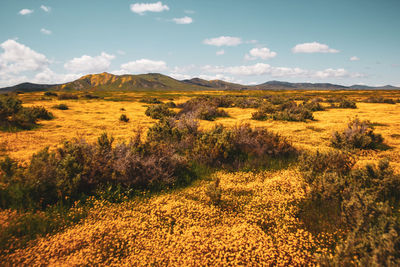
<point x="61" y="106"/>
<point x="363" y="201"/>
<point x="358" y="134"/>
<point x="13" y="116"/>
<point x="67" y="96"/>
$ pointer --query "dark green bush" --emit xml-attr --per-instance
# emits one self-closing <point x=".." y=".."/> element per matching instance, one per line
<point x="159" y="111"/>
<point x="48" y="93"/>
<point x="90" y="96"/>
<point x="150" y="100"/>
<point x="66" y="96"/>
<point x="239" y="146"/>
<point x="347" y="104"/>
<point x="358" y="134"/>
<point x="39" y="113"/>
<point x="14" y="116"/>
<point x="285" y="110"/>
<point x="61" y="107"/>
<point x="77" y="169"/>
<point x="203" y="108"/>
<point x="124" y="118"/>
<point x="363" y="201"/>
<point x="380" y="99"/>
<point x="313" y="105"/>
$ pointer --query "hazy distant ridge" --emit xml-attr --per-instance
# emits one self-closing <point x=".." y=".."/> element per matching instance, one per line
<point x="155" y="81"/>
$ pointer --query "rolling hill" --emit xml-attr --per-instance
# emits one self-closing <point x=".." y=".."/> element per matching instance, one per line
<point x="159" y="82"/>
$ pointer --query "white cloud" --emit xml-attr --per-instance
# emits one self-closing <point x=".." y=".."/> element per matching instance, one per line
<point x="47" y="76"/>
<point x="223" y="41"/>
<point x="313" y="47"/>
<point x="142" y="8"/>
<point x="354" y="58"/>
<point x="266" y="69"/>
<point x="184" y="20"/>
<point x="25" y="11"/>
<point x="263" y="53"/>
<point x="142" y="66"/>
<point x="220" y="52"/>
<point x="88" y="64"/>
<point x="18" y="58"/>
<point x="45" y="31"/>
<point x="45" y="8"/>
<point x="180" y="76"/>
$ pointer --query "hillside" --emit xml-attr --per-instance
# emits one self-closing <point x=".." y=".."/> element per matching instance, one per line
<point x="142" y="82"/>
<point x="27" y="87"/>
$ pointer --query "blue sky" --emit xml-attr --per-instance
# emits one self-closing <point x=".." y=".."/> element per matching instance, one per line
<point x="342" y="41"/>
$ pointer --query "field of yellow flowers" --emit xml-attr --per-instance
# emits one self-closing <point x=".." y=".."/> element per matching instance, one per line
<point x="254" y="223"/>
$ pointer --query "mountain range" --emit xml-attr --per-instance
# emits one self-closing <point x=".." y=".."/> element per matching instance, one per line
<point x="159" y="82"/>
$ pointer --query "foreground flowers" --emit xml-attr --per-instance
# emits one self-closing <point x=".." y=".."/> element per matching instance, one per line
<point x="254" y="223"/>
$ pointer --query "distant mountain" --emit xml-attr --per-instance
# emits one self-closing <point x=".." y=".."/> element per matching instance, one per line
<point x="155" y="81"/>
<point x="27" y="87"/>
<point x="109" y="82"/>
<point x="216" y="84"/>
<point x="365" y="87"/>
<point x="296" y="86"/>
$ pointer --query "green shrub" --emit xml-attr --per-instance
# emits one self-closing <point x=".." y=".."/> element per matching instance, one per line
<point x="48" y="93"/>
<point x="363" y="201"/>
<point x="61" y="107"/>
<point x="40" y="113"/>
<point x="203" y="108"/>
<point x="14" y="116"/>
<point x="150" y="100"/>
<point x="240" y="146"/>
<point x="159" y="111"/>
<point x="66" y="96"/>
<point x="347" y="104"/>
<point x="358" y="134"/>
<point x="124" y="118"/>
<point x="380" y="99"/>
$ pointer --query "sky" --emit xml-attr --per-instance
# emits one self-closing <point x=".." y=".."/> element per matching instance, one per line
<point x="250" y="42"/>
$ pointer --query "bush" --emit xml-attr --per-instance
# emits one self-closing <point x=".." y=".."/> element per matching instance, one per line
<point x="314" y="105"/>
<point x="202" y="108"/>
<point x="285" y="110"/>
<point x="66" y="96"/>
<point x="14" y="116"/>
<point x="259" y="116"/>
<point x="61" y="107"/>
<point x="124" y="118"/>
<point x="150" y="100"/>
<point x="90" y="96"/>
<point x="50" y="94"/>
<point x="358" y="134"/>
<point x="380" y="99"/>
<point x="40" y="113"/>
<point x="363" y="201"/>
<point x="77" y="169"/>
<point x="317" y="163"/>
<point x="170" y="104"/>
<point x="240" y="146"/>
<point x="159" y="111"/>
<point x="347" y="104"/>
